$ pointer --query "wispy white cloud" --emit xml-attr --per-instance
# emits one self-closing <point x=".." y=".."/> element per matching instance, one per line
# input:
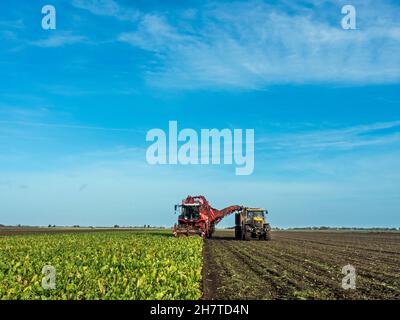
<point x="8" y="35"/>
<point x="67" y="126"/>
<point x="119" y="151"/>
<point x="107" y="8"/>
<point x="347" y="138"/>
<point x="252" y="45"/>
<point x="58" y="39"/>
<point x="73" y="91"/>
<point x="12" y="24"/>
<point x="155" y="34"/>
<point x="17" y="112"/>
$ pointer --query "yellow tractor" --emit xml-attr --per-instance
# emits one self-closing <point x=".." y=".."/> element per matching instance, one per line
<point x="250" y="223"/>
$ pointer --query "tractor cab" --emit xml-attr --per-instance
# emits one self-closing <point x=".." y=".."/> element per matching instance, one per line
<point x="255" y="216"/>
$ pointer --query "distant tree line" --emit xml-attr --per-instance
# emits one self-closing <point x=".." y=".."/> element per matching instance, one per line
<point x="332" y="228"/>
<point x="342" y="228"/>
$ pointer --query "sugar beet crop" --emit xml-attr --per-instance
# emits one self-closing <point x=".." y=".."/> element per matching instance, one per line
<point x="110" y="265"/>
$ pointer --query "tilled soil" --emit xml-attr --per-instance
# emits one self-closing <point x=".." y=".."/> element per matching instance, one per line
<point x="302" y="265"/>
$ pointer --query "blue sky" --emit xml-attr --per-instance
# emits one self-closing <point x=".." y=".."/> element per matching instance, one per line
<point x="76" y="104"/>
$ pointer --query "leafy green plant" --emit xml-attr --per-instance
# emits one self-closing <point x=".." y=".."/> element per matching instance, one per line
<point x="104" y="265"/>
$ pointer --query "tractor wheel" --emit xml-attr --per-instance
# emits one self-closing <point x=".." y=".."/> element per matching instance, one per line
<point x="267" y="236"/>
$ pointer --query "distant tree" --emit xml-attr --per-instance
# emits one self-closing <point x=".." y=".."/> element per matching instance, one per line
<point x="49" y="226"/>
<point x="116" y="226"/>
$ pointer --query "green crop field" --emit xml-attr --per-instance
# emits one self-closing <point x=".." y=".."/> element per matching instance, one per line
<point x="103" y="265"/>
<point x="151" y="264"/>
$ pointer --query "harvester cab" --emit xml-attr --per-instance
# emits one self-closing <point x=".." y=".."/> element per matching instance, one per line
<point x="251" y="223"/>
<point x="188" y="212"/>
<point x="188" y="217"/>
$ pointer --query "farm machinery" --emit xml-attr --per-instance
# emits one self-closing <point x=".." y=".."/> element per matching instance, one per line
<point x="251" y="223"/>
<point x="197" y="217"/>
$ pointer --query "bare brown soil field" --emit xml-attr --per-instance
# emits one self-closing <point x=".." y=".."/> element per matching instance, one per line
<point x="302" y="265"/>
